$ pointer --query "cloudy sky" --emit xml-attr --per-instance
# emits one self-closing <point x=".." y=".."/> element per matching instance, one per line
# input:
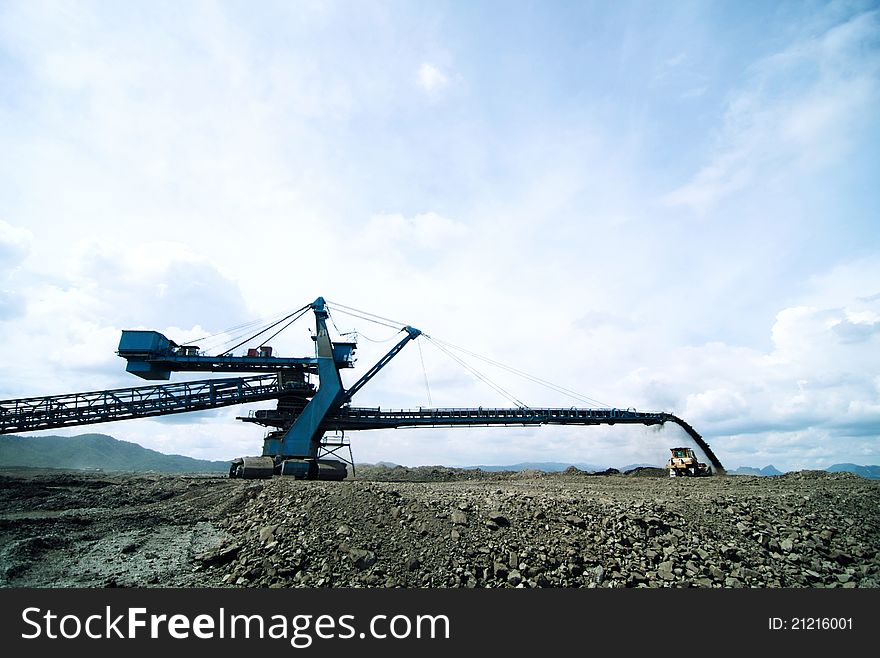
<point x="661" y="205"/>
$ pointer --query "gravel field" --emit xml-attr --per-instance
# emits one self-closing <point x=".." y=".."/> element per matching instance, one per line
<point x="439" y="527"/>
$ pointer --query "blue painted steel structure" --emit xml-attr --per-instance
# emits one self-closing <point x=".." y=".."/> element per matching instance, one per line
<point x="151" y="355"/>
<point x="304" y="413"/>
<point x="54" y="411"/>
<point x="348" y="418"/>
<point x="302" y="440"/>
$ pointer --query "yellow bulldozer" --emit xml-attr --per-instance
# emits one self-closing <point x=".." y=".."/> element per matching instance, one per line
<point x="684" y="462"/>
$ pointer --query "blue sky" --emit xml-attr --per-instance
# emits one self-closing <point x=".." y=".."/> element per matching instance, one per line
<point x="666" y="206"/>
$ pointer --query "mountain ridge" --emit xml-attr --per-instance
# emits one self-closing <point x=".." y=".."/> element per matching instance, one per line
<point x="104" y="452"/>
<point x="96" y="452"/>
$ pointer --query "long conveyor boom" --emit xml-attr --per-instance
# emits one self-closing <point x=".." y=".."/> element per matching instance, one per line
<point x="355" y="418"/>
<point x="41" y="413"/>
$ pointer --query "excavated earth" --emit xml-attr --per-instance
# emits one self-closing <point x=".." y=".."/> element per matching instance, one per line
<point x="439" y="527"/>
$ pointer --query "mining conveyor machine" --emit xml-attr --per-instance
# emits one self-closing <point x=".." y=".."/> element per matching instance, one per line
<point x="306" y="437"/>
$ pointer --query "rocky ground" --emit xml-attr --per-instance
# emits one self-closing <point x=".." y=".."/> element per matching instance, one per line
<point x="439" y="527"/>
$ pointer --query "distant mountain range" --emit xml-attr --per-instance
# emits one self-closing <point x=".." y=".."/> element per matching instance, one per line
<point x="553" y="467"/>
<point x="102" y="452"/>
<point x="96" y="451"/>
<point x="870" y="472"/>
<point x="547" y="467"/>
<point x="749" y="470"/>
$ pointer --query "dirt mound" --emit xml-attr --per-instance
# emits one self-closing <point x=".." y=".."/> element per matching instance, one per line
<point x="647" y="471"/>
<point x="438" y="527"/>
<point x="382" y="473"/>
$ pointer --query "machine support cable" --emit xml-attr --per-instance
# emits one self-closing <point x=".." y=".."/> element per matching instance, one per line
<point x="274" y="324"/>
<point x="247" y="335"/>
<point x="244" y="329"/>
<point x="425" y="372"/>
<point x="537" y="380"/>
<point x="358" y="333"/>
<point x="476" y="373"/>
<point x="363" y="317"/>
<point x="377" y="318"/>
<point x="373" y="340"/>
<point x="338" y="330"/>
<point x="244" y="325"/>
<point x="302" y="312"/>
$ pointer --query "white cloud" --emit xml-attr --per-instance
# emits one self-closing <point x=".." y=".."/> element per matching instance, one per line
<point x="800" y="110"/>
<point x="15" y="243"/>
<point x="715" y="404"/>
<point x="12" y="304"/>
<point x="72" y="328"/>
<point x="428" y="231"/>
<point x="431" y="78"/>
<point x="817" y="387"/>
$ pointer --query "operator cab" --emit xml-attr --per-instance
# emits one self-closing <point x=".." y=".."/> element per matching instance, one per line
<point x="343" y="354"/>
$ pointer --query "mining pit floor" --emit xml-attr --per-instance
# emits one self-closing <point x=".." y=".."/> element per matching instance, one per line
<point x="435" y="527"/>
